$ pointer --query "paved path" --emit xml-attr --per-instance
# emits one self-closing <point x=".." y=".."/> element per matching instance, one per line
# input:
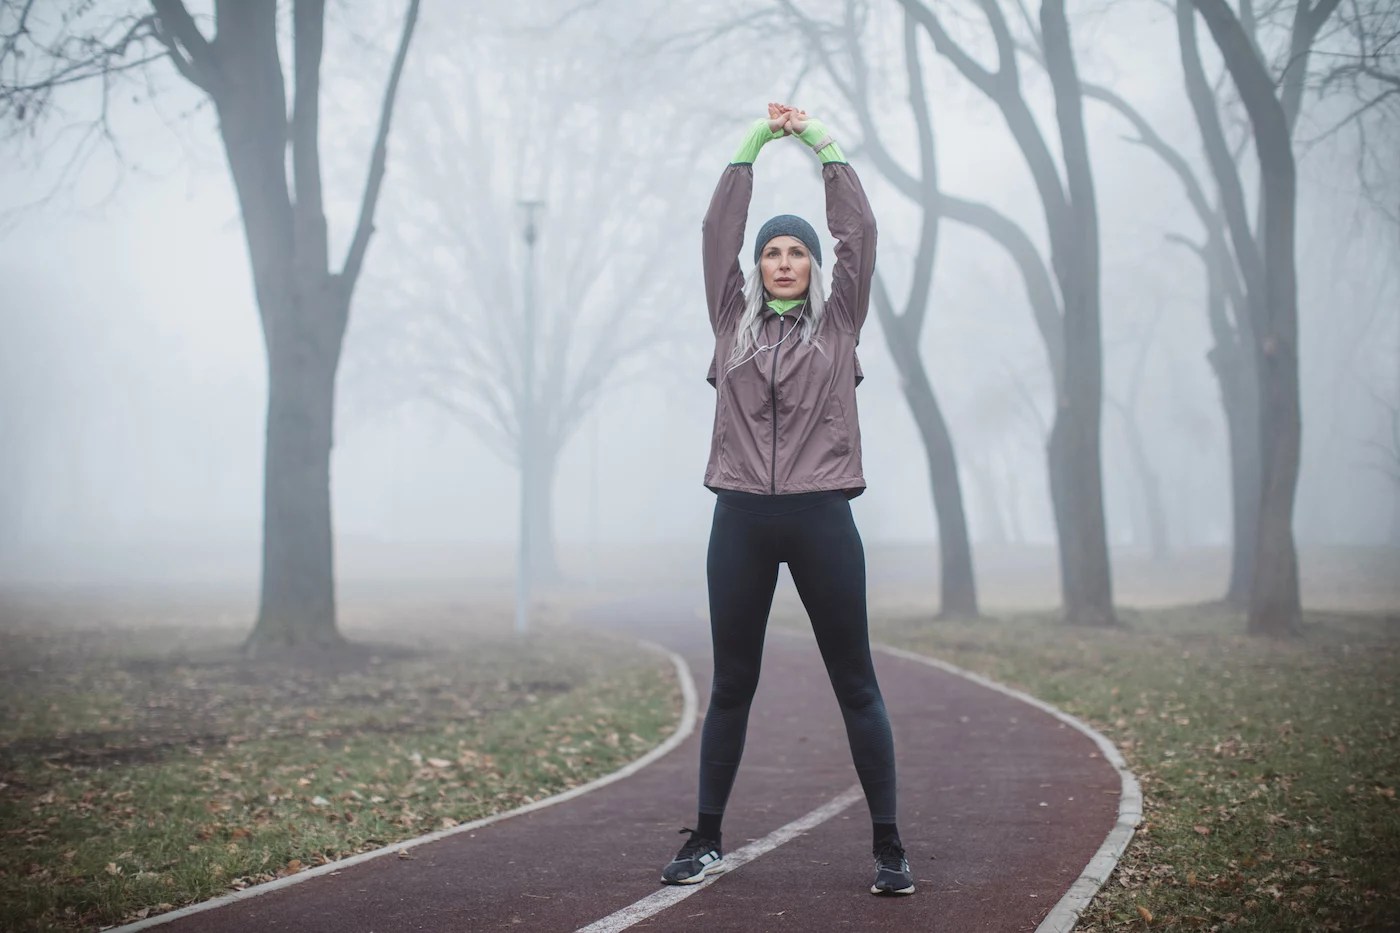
<point x="1001" y="807"/>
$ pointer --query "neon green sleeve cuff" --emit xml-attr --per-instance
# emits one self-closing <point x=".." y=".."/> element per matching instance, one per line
<point x="815" y="132"/>
<point x="759" y="133"/>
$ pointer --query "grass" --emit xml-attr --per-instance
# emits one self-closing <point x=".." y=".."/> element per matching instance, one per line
<point x="1269" y="770"/>
<point x="142" y="769"/>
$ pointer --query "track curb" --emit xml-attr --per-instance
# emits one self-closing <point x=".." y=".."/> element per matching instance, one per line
<point x="1064" y="916"/>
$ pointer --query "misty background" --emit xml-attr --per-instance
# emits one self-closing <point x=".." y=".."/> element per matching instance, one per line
<point x="133" y="377"/>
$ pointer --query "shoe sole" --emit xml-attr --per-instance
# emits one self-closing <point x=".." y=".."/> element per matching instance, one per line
<point x="713" y="868"/>
<point x="891" y="891"/>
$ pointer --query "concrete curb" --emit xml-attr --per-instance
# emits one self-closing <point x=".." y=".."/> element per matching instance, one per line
<point x="1064" y="916"/>
<point x="689" y="716"/>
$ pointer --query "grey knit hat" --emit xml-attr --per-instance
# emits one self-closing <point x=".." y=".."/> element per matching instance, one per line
<point x="788" y="225"/>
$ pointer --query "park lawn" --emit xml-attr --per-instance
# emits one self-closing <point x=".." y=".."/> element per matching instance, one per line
<point x="145" y="769"/>
<point x="1269" y="770"/>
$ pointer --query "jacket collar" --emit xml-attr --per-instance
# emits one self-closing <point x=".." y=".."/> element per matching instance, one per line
<point x="790" y="306"/>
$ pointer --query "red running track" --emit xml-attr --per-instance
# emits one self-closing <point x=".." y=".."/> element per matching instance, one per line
<point x="1001" y="807"/>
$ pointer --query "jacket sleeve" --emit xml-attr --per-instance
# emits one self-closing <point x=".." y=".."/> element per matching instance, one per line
<point x="852" y="225"/>
<point x="722" y="233"/>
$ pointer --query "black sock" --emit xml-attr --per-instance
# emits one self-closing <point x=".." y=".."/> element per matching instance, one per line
<point x="885" y="831"/>
<point x="708" y="825"/>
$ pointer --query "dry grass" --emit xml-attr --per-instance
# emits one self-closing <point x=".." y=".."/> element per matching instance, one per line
<point x="144" y="765"/>
<point x="1269" y="769"/>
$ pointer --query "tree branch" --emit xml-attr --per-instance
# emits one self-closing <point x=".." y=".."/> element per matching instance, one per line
<point x="193" y="55"/>
<point x="916" y="305"/>
<point x="309" y="217"/>
<point x="985" y="80"/>
<point x="355" y="257"/>
<point x="1222" y="163"/>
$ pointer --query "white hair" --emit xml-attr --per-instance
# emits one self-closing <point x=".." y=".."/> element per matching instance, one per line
<point x="746" y="337"/>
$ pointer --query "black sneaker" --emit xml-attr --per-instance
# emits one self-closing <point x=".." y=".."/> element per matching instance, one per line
<point x="696" y="859"/>
<point x="891" y="869"/>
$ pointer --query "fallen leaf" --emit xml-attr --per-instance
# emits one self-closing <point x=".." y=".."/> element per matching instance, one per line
<point x="1145" y="914"/>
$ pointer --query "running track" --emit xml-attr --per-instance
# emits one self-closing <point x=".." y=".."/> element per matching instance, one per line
<point x="1001" y="807"/>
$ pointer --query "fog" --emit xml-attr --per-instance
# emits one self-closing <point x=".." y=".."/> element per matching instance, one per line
<point x="133" y="374"/>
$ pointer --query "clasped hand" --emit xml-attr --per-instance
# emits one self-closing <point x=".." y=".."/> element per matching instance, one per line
<point x="789" y="120"/>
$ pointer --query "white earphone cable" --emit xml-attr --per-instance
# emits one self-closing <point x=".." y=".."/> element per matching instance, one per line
<point x="756" y="352"/>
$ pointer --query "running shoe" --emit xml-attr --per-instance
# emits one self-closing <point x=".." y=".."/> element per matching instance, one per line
<point x="892" y="874"/>
<point x="698" y="858"/>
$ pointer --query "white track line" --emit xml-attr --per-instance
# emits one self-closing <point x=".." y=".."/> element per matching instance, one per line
<point x="684" y="728"/>
<point x="655" y="903"/>
<point x="1065" y="914"/>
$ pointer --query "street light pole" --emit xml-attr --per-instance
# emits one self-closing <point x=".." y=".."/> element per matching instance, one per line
<point x="527" y="426"/>
<point x="593" y="504"/>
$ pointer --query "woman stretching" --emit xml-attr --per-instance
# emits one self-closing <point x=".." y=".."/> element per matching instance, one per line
<point x="785" y="463"/>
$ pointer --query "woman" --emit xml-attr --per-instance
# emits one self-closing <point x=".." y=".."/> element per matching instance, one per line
<point x="784" y="463"/>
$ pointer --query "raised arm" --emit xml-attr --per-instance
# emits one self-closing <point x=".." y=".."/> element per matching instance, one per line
<point x="722" y="234"/>
<point x="852" y="225"/>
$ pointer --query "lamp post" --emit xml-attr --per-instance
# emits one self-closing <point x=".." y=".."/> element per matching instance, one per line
<point x="527" y="426"/>
<point x="593" y="503"/>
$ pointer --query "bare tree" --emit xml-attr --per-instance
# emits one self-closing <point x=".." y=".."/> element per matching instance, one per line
<point x="1363" y="65"/>
<point x="902" y="329"/>
<point x="569" y="125"/>
<point x="273" y="150"/>
<point x="1230" y="359"/>
<point x="1267" y="270"/>
<point x="1354" y="59"/>
<point x="1069" y="321"/>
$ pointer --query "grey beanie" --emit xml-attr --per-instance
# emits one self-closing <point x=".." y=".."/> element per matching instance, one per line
<point x="788" y="225"/>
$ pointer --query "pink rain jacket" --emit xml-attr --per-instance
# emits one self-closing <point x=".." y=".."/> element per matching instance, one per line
<point x="785" y="420"/>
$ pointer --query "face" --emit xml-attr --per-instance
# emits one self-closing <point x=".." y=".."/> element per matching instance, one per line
<point x="787" y="267"/>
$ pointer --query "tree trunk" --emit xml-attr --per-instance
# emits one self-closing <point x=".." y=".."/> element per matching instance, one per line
<point x="958" y="587"/>
<point x="1275" y="606"/>
<point x="1012" y="496"/>
<point x="1239" y="393"/>
<point x="1075" y="437"/>
<point x="1393" y="539"/>
<point x="994" y="524"/>
<point x="298" y="589"/>
<point x="303" y="305"/>
<point x="1153" y="514"/>
<point x="303" y="320"/>
<point x="1233" y="366"/>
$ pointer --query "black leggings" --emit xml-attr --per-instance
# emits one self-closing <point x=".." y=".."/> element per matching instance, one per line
<point x="815" y="534"/>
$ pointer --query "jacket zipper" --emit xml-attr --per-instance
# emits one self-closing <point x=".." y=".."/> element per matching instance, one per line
<point x="773" y="394"/>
